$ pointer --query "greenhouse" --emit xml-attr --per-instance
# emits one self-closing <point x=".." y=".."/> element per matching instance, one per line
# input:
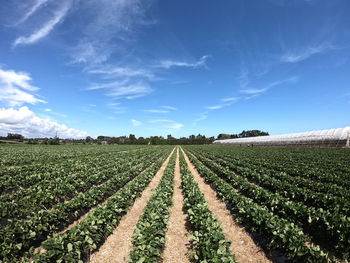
<point x="339" y="137"/>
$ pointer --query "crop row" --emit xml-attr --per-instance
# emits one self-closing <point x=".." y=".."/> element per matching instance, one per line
<point x="280" y="234"/>
<point x="289" y="190"/>
<point x="322" y="165"/>
<point x="300" y="181"/>
<point x="77" y="243"/>
<point x="149" y="235"/>
<point x="19" y="235"/>
<point x="208" y="241"/>
<point x="47" y="193"/>
<point x="23" y="177"/>
<point x="330" y="230"/>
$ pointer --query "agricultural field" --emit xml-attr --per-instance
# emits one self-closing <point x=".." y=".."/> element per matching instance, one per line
<point x="90" y="203"/>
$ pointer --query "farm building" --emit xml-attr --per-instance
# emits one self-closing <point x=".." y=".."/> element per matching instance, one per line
<point x="339" y="137"/>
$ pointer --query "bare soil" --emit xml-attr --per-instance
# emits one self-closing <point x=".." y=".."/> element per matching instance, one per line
<point x="242" y="245"/>
<point x="176" y="239"/>
<point x="118" y="245"/>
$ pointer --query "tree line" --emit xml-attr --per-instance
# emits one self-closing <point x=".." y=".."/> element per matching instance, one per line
<point x="132" y="139"/>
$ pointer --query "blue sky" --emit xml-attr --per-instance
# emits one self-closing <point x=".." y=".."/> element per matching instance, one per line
<point x="115" y="67"/>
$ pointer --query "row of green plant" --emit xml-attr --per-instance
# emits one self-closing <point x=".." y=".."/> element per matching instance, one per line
<point x="331" y="203"/>
<point x="20" y="235"/>
<point x="208" y="241"/>
<point x="76" y="244"/>
<point x="318" y="164"/>
<point x="300" y="181"/>
<point x="279" y="233"/>
<point x="330" y="230"/>
<point x="23" y="177"/>
<point x="62" y="188"/>
<point x="17" y="155"/>
<point x="149" y="235"/>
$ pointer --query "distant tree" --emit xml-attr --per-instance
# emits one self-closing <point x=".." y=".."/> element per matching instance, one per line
<point x="252" y="133"/>
<point x="89" y="139"/>
<point x="15" y="136"/>
<point x="223" y="136"/>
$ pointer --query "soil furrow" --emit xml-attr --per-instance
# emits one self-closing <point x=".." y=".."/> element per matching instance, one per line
<point x="176" y="243"/>
<point x="118" y="245"/>
<point x="242" y="246"/>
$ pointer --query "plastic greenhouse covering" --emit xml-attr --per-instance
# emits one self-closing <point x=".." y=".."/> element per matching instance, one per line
<point x="331" y="137"/>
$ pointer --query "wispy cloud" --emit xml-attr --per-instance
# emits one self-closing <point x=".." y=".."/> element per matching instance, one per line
<point x="303" y="54"/>
<point x="136" y="123"/>
<point x="169" y="107"/>
<point x="160" y="121"/>
<point x="162" y="109"/>
<point x="45" y="29"/>
<point x="34" y="8"/>
<point x="174" y="126"/>
<point x="121" y="72"/>
<point x="119" y="90"/>
<point x="216" y="107"/>
<point x="253" y="91"/>
<point x="130" y="92"/>
<point x="167" y="64"/>
<point x="16" y="89"/>
<point x="167" y="124"/>
<point x="230" y="99"/>
<point x="111" y="26"/>
<point x="258" y="91"/>
<point x="51" y="112"/>
<point x="157" y="111"/>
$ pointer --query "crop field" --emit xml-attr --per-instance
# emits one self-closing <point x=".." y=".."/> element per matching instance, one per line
<point x="113" y="203"/>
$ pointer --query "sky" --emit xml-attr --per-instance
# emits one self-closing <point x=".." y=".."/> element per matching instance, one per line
<point x="147" y="67"/>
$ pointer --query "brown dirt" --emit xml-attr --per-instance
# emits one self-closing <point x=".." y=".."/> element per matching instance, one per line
<point x="118" y="245"/>
<point x="242" y="246"/>
<point x="176" y="241"/>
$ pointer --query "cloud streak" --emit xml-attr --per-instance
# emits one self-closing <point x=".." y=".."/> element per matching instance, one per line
<point x="258" y="91"/>
<point x="303" y="54"/>
<point x="45" y="29"/>
<point x="34" y="8"/>
<point x="136" y="123"/>
<point x="168" y="64"/>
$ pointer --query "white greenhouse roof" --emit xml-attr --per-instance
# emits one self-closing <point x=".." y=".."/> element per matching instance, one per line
<point x="331" y="134"/>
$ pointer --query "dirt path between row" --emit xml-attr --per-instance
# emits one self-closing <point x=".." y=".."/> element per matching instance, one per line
<point x="118" y="245"/>
<point x="242" y="246"/>
<point x="176" y="239"/>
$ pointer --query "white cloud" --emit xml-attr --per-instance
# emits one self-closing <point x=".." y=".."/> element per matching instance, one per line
<point x="109" y="28"/>
<point x="48" y="110"/>
<point x="27" y="123"/>
<point x="219" y="106"/>
<point x="254" y="91"/>
<point x="122" y="72"/>
<point x="160" y="121"/>
<point x="303" y="54"/>
<point x="167" y="64"/>
<point x="15" y="88"/>
<point x="157" y="111"/>
<point x="35" y="7"/>
<point x="45" y="29"/>
<point x="230" y="99"/>
<point x="174" y="126"/>
<point x="169" y="107"/>
<point x="136" y="123"/>
<point x="120" y="90"/>
<point x="132" y="91"/>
